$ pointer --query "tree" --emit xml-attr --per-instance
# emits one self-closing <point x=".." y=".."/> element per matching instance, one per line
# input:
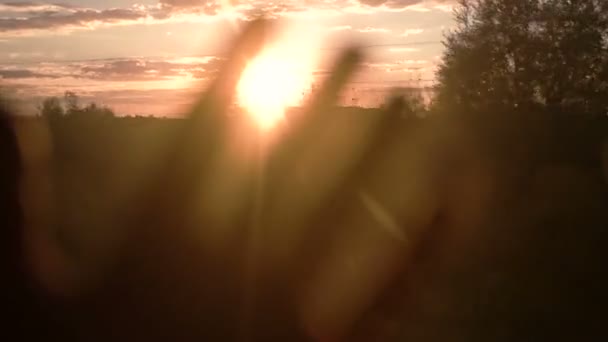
<point x="107" y="111"/>
<point x="72" y="103"/>
<point x="93" y="109"/>
<point x="550" y="54"/>
<point x="413" y="101"/>
<point x="51" y="108"/>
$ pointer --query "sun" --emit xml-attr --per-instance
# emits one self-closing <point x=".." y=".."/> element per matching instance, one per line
<point x="270" y="83"/>
<point x="276" y="79"/>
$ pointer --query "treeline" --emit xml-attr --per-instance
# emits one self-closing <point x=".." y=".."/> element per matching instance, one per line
<point x="534" y="55"/>
<point x="70" y="105"/>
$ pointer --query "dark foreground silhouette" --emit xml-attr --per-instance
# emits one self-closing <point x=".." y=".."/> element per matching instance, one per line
<point x="511" y="244"/>
<point x="354" y="225"/>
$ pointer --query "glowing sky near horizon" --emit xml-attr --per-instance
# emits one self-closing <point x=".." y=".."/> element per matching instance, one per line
<point x="151" y="57"/>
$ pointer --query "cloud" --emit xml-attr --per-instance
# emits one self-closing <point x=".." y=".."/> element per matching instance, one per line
<point x="21" y="73"/>
<point x="129" y="85"/>
<point x="403" y="4"/>
<point x="208" y="7"/>
<point x="27" y="6"/>
<point x="448" y="6"/>
<point x="18" y="18"/>
<point x="340" y="28"/>
<point x="36" y="70"/>
<point x="390" y="3"/>
<point x="403" y="49"/>
<point x="22" y="55"/>
<point x="128" y="69"/>
<point x="406" y="65"/>
<point x="374" y="30"/>
<point x="190" y="3"/>
<point x="142" y="69"/>
<point x="244" y="9"/>
<point x="26" y="72"/>
<point x="367" y="29"/>
<point x="411" y="32"/>
<point x="80" y="18"/>
<point x="123" y="69"/>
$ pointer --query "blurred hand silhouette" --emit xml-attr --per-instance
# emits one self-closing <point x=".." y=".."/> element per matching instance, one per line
<point x="237" y="236"/>
<point x="305" y="228"/>
<point x="305" y="231"/>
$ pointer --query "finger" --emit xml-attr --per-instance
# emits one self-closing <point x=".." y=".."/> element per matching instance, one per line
<point x="173" y="190"/>
<point x="389" y="202"/>
<point x="220" y="94"/>
<point x="388" y="127"/>
<point x="344" y="69"/>
<point x="52" y="268"/>
<point x="225" y="147"/>
<point x="194" y="186"/>
<point x="410" y="180"/>
<point x="314" y="160"/>
<point x="202" y="137"/>
<point x="207" y="119"/>
<point x="316" y="112"/>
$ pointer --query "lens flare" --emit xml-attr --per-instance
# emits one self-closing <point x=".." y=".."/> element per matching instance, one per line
<point x="276" y="79"/>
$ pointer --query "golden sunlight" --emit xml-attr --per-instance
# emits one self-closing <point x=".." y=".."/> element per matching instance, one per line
<point x="276" y="79"/>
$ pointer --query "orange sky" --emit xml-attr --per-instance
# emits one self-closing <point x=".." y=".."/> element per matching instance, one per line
<point x="151" y="57"/>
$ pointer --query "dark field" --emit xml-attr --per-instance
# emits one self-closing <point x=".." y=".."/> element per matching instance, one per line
<point x="548" y="200"/>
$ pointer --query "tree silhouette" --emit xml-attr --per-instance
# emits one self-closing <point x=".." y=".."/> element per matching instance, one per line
<point x="72" y="103"/>
<point x="93" y="109"/>
<point x="51" y="108"/>
<point x="551" y="54"/>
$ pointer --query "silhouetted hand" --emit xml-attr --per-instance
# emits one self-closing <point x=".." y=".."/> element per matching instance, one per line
<point x="272" y="207"/>
<point x="304" y="227"/>
<point x="234" y="230"/>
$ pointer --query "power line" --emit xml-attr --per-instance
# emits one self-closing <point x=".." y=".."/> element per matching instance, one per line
<point x="371" y="46"/>
<point x="392" y="81"/>
<point x="199" y="55"/>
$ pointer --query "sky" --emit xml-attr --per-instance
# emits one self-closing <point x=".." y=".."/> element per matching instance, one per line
<point x="151" y="57"/>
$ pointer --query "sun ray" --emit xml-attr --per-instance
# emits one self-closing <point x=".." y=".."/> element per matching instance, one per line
<point x="277" y="79"/>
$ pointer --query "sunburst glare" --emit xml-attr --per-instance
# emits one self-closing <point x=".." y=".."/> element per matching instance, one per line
<point x="277" y="79"/>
